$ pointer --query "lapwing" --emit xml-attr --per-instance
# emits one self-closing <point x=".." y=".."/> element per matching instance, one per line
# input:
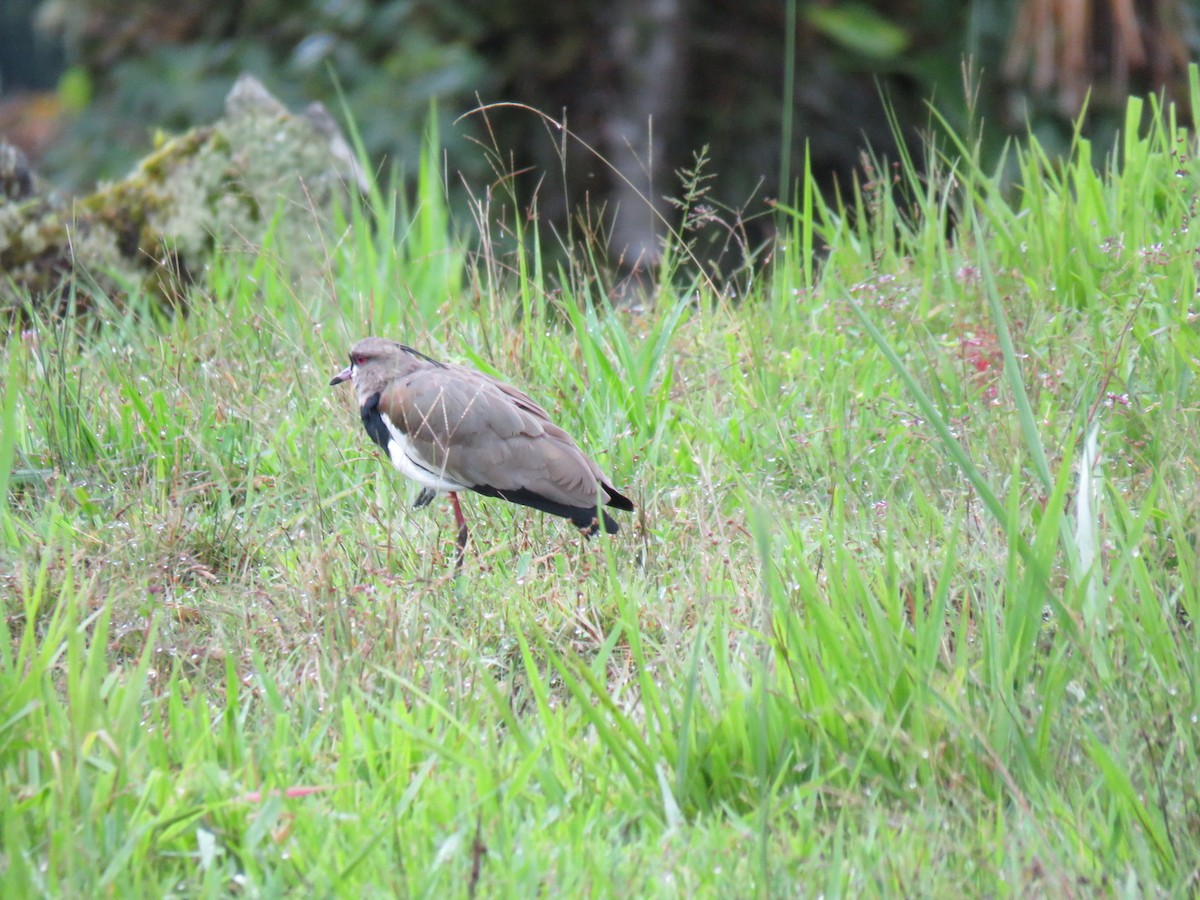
<point x="453" y="428"/>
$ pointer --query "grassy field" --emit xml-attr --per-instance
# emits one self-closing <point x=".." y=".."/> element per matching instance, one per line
<point x="906" y="608"/>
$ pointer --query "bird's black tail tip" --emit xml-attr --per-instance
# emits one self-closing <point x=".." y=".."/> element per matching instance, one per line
<point x="617" y="500"/>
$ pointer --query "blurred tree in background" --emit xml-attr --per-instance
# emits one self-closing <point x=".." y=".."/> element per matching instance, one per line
<point x="707" y="73"/>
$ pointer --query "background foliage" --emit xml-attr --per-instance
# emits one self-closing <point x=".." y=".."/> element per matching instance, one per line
<point x="138" y="65"/>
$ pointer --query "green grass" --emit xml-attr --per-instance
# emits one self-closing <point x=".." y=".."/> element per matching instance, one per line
<point x="906" y="607"/>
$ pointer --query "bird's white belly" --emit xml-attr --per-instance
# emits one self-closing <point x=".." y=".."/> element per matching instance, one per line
<point x="408" y="461"/>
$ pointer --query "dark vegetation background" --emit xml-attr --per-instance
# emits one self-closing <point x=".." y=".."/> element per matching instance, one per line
<point x="83" y="84"/>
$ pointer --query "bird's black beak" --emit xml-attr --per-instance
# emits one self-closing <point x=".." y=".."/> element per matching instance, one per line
<point x="341" y="376"/>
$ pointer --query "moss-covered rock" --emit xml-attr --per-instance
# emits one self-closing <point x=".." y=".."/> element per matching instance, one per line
<point x="215" y="188"/>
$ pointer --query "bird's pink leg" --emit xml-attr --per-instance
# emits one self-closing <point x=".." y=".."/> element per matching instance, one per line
<point x="462" y="529"/>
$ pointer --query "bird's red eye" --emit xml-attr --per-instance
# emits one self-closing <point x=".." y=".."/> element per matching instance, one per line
<point x="358" y="359"/>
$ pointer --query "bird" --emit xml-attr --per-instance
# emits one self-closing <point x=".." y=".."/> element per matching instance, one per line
<point x="453" y="428"/>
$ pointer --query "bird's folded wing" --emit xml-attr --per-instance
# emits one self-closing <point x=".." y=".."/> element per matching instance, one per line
<point x="470" y="428"/>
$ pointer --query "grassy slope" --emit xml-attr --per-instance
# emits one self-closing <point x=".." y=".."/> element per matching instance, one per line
<point x="885" y="622"/>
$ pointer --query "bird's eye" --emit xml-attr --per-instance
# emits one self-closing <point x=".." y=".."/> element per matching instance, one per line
<point x="357" y="360"/>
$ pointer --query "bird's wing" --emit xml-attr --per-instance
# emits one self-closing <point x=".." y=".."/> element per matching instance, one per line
<point x="485" y="434"/>
<point x="519" y="398"/>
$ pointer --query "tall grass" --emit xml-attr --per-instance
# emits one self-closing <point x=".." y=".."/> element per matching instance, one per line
<point x="906" y="607"/>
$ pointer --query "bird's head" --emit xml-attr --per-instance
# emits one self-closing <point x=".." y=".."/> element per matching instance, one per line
<point x="373" y="362"/>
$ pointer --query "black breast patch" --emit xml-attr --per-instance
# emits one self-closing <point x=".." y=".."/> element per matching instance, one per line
<point x="372" y="420"/>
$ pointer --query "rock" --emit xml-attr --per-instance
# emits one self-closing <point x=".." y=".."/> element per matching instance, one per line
<point x="16" y="176"/>
<point x="216" y="188"/>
